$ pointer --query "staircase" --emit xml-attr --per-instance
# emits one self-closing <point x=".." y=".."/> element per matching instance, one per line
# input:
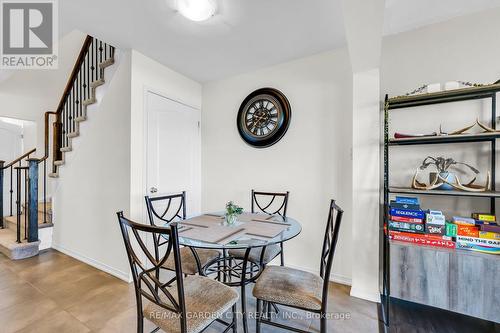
<point x="27" y="215"/>
<point x="44" y="219"/>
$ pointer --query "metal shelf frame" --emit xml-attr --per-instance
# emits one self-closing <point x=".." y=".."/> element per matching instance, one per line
<point x="406" y="102"/>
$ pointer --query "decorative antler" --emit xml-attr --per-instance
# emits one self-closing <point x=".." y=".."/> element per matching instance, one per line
<point x="443" y="164"/>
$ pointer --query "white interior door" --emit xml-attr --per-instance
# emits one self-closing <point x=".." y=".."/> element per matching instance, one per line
<point x="173" y="150"/>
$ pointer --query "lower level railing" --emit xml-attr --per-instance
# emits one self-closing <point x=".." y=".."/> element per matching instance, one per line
<point x="24" y="171"/>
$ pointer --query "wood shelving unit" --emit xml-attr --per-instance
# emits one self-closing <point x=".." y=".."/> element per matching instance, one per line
<point x="406" y="103"/>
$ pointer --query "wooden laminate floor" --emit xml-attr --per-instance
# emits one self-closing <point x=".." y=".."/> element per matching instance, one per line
<point x="56" y="293"/>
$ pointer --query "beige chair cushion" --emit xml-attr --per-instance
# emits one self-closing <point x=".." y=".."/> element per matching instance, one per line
<point x="289" y="286"/>
<point x="206" y="300"/>
<point x="188" y="260"/>
<point x="271" y="252"/>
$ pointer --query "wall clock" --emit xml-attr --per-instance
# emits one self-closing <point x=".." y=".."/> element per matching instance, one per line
<point x="264" y="117"/>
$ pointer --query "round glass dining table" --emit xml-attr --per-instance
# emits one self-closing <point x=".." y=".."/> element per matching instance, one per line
<point x="245" y="241"/>
<point x="238" y="271"/>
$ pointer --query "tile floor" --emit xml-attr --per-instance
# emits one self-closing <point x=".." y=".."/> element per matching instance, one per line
<point x="56" y="293"/>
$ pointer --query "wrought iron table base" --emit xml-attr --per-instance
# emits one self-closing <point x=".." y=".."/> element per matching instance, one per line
<point x="235" y="272"/>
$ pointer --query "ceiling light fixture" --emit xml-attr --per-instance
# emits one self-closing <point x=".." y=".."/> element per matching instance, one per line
<point x="197" y="10"/>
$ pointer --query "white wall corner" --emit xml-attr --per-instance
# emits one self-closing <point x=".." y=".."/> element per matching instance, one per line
<point x="366" y="184"/>
<point x="364" y="21"/>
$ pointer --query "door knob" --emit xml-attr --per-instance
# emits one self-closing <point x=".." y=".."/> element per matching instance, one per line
<point x="153" y="190"/>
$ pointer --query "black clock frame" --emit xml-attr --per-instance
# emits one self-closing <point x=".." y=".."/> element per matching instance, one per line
<point x="282" y="125"/>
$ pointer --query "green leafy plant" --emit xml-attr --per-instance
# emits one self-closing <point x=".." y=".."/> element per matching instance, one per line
<point x="232" y="209"/>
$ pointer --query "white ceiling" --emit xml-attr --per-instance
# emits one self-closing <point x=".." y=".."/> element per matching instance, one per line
<point x="245" y="34"/>
<point x="405" y="15"/>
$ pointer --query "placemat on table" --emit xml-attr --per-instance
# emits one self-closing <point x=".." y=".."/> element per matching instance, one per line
<point x="204" y="221"/>
<point x="215" y="234"/>
<point x="247" y="217"/>
<point x="263" y="229"/>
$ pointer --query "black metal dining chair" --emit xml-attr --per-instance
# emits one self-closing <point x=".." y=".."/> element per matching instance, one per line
<point x="271" y="203"/>
<point x="166" y="209"/>
<point x="182" y="305"/>
<point x="299" y="289"/>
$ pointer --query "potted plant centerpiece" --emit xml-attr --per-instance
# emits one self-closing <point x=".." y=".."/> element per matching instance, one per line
<point x="232" y="212"/>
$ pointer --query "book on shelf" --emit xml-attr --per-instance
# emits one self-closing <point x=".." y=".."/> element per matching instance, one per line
<point x="407" y="227"/>
<point x="417" y="214"/>
<point x="490" y="227"/>
<point x="480" y="222"/>
<point x="435" y="217"/>
<point x="479" y="241"/>
<point x="398" y="205"/>
<point x="464" y="220"/>
<point x="484" y="217"/>
<point x="407" y="200"/>
<point x="435" y="229"/>
<point x="489" y="235"/>
<point x="489" y="246"/>
<point x="451" y="229"/>
<point x="467" y="230"/>
<point x="405" y="219"/>
<point x="422" y="239"/>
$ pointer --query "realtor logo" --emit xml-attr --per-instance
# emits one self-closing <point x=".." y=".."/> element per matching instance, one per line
<point x="29" y="30"/>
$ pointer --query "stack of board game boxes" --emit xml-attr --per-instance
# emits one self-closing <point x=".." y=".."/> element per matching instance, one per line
<point x="408" y="222"/>
<point x="479" y="233"/>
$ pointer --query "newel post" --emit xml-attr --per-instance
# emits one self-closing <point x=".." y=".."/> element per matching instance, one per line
<point x="33" y="200"/>
<point x="1" y="194"/>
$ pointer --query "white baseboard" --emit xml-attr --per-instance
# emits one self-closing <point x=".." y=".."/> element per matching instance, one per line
<point x="341" y="279"/>
<point x="337" y="278"/>
<point x="363" y="294"/>
<point x="125" y="276"/>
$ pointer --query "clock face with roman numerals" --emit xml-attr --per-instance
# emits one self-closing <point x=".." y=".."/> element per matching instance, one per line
<point x="264" y="117"/>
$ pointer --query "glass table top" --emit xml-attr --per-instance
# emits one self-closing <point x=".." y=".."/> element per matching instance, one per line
<point x="241" y="239"/>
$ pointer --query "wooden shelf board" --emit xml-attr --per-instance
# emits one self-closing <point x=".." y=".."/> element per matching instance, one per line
<point x="487" y="194"/>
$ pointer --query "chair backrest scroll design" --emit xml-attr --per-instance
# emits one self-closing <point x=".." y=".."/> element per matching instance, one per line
<point x="267" y="207"/>
<point x="146" y="279"/>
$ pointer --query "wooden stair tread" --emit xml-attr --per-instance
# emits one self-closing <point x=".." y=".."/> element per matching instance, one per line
<point x="40" y="207"/>
<point x="12" y="220"/>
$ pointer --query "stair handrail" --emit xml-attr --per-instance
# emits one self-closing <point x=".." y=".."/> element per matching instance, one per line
<point x="67" y="90"/>
<point x="74" y="72"/>
<point x="20" y="158"/>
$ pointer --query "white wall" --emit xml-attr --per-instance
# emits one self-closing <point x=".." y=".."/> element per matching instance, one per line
<point x="464" y="48"/>
<point x="94" y="183"/>
<point x="30" y="136"/>
<point x="149" y="74"/>
<point x="312" y="160"/>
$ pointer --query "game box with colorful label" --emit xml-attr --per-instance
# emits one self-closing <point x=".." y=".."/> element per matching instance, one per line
<point x="407" y="227"/>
